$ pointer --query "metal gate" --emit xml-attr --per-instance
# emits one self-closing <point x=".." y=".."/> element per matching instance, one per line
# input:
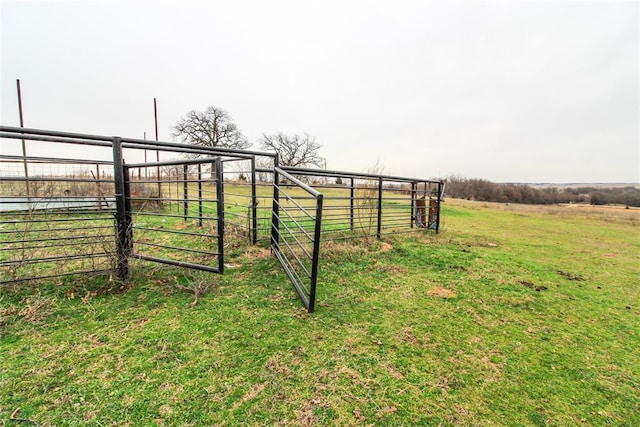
<point x="295" y="233"/>
<point x="185" y="229"/>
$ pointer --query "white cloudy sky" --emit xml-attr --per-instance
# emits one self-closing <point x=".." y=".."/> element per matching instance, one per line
<point x="537" y="91"/>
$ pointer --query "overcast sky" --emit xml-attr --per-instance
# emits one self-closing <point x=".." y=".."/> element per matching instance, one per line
<point x="537" y="91"/>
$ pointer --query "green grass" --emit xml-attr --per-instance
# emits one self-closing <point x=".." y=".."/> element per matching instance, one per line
<point x="416" y="330"/>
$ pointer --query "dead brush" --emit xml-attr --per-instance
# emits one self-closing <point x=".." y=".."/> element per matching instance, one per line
<point x="197" y="287"/>
<point x="33" y="308"/>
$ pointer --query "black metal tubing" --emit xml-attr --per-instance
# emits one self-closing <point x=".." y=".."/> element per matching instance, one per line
<point x="316" y="254"/>
<point x="295" y="230"/>
<point x="199" y="194"/>
<point x="300" y="244"/>
<point x="393" y="195"/>
<point x="179" y="232"/>
<point x="28" y="133"/>
<point x="63" y="140"/>
<point x="38" y="230"/>
<point x="54" y="160"/>
<point x="121" y="199"/>
<point x="300" y="207"/>
<point x="306" y="293"/>
<point x="50" y="239"/>
<point x="275" y="225"/>
<point x="171" y="215"/>
<point x="297" y="258"/>
<point x="254" y="203"/>
<point x="176" y="248"/>
<point x="342" y="174"/>
<point x="220" y="213"/>
<point x="178" y="263"/>
<point x="73" y="244"/>
<point x="56" y="179"/>
<point x="184" y="162"/>
<point x="52" y="276"/>
<point x="55" y="258"/>
<point x="352" y="198"/>
<point x="58" y="220"/>
<point x="185" y="193"/>
<point x="42" y="199"/>
<point x="167" y="199"/>
<point x="379" y="230"/>
<point x="185" y="199"/>
<point x="122" y="243"/>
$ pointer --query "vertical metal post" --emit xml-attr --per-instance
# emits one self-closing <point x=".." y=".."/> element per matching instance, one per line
<point x="185" y="195"/>
<point x="155" y="115"/>
<point x="177" y="169"/>
<point x="100" y="198"/>
<point x="128" y="211"/>
<point x="254" y="203"/>
<point x="24" y="145"/>
<point x="275" y="214"/>
<point x="438" y="213"/>
<point x="351" y="202"/>
<point x="220" y="209"/>
<point x="379" y="231"/>
<point x="122" y="267"/>
<point x="413" y="203"/>
<point x="316" y="254"/>
<point x="199" y="195"/>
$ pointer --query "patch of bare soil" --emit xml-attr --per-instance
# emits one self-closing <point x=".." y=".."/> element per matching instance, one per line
<point x="571" y="276"/>
<point x="441" y="292"/>
<point x="532" y="285"/>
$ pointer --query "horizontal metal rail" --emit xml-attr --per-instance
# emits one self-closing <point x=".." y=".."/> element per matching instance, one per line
<point x="53" y="276"/>
<point x="176" y="263"/>
<point x="176" y="248"/>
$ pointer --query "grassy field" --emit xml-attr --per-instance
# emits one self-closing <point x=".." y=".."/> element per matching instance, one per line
<point x="512" y="315"/>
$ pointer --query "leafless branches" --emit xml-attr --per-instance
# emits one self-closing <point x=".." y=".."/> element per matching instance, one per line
<point x="213" y="127"/>
<point x="294" y="150"/>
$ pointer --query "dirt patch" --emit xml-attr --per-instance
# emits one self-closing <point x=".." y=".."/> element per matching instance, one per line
<point x="441" y="292"/>
<point x="571" y="276"/>
<point x="532" y="285"/>
<point x="385" y="247"/>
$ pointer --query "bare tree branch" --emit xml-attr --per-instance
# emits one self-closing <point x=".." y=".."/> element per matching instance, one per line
<point x="294" y="150"/>
<point x="213" y="127"/>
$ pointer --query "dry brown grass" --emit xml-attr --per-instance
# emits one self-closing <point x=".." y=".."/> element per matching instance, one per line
<point x="612" y="213"/>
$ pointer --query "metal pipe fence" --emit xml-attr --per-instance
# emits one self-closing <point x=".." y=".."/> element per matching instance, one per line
<point x="58" y="221"/>
<point x="87" y="204"/>
<point x="361" y="205"/>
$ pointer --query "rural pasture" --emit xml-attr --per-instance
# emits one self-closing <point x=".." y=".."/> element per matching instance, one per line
<point x="511" y="315"/>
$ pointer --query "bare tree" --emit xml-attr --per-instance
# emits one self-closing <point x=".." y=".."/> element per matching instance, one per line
<point x="212" y="127"/>
<point x="294" y="150"/>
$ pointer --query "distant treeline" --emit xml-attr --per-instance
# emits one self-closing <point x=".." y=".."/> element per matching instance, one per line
<point x="487" y="191"/>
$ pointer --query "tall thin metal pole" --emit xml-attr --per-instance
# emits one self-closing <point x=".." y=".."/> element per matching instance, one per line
<point x="199" y="195"/>
<point x="351" y="204"/>
<point x="24" y="145"/>
<point x="413" y="203"/>
<point x="185" y="193"/>
<point x="379" y="230"/>
<point x="254" y="203"/>
<point x="146" y="170"/>
<point x="155" y="114"/>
